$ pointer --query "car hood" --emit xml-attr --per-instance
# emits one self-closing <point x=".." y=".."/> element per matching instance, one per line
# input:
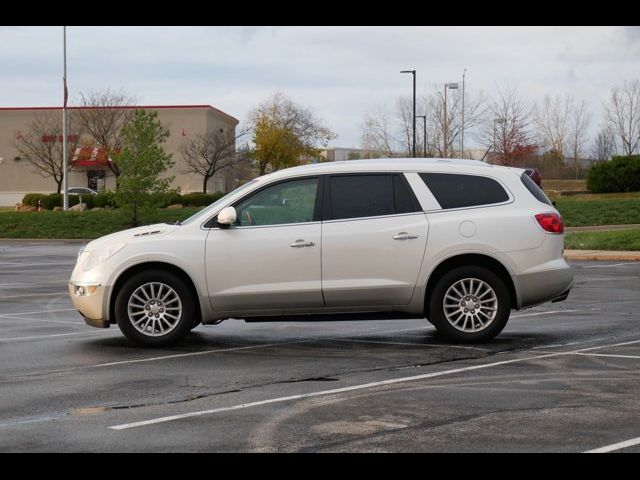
<point x="131" y="235"/>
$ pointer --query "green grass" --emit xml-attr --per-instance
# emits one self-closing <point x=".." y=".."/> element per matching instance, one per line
<point x="49" y="224"/>
<point x="601" y="209"/>
<point x="615" y="240"/>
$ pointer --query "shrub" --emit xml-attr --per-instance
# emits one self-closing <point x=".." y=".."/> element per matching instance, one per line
<point x="200" y="199"/>
<point x="31" y="199"/>
<point x="56" y="199"/>
<point x="105" y="199"/>
<point x="164" y="199"/>
<point x="621" y="174"/>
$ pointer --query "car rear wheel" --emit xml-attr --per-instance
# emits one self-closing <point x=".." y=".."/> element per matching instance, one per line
<point x="155" y="309"/>
<point x="469" y="305"/>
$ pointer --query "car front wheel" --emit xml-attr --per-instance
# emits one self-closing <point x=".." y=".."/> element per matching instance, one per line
<point x="155" y="309"/>
<point x="469" y="305"/>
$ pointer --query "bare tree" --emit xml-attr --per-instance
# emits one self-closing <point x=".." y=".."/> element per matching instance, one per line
<point x="209" y="153"/>
<point x="445" y="124"/>
<point x="623" y="115"/>
<point x="604" y="146"/>
<point x="41" y="145"/>
<point x="381" y="131"/>
<point x="579" y="120"/>
<point x="506" y="129"/>
<point x="552" y="119"/>
<point x="376" y="132"/>
<point x="102" y="116"/>
<point x="404" y="119"/>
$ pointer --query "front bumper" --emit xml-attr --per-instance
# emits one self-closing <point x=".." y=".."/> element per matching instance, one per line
<point x="90" y="306"/>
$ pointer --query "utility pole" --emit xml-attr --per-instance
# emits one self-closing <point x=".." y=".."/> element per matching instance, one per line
<point x="413" y="72"/>
<point x="65" y="167"/>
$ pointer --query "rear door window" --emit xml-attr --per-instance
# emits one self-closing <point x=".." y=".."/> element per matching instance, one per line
<point x="368" y="195"/>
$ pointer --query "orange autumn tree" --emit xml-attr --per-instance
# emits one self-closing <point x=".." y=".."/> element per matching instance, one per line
<point x="284" y="133"/>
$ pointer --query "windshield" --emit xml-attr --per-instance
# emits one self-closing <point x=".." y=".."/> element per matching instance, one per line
<point x="205" y="211"/>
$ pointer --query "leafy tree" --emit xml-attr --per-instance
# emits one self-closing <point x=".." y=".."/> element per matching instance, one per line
<point x="141" y="162"/>
<point x="283" y="132"/>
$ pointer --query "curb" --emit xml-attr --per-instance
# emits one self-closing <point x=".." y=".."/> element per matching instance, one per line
<point x="602" y="228"/>
<point x="622" y="255"/>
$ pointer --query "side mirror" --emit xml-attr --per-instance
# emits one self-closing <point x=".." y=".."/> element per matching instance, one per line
<point x="227" y="216"/>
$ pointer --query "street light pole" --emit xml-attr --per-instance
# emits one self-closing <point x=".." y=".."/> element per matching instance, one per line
<point x="451" y="86"/>
<point x="413" y="72"/>
<point x="65" y="167"/>
<point x="424" y="144"/>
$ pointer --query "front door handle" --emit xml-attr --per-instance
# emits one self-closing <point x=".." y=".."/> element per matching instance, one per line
<point x="300" y="243"/>
<point x="405" y="236"/>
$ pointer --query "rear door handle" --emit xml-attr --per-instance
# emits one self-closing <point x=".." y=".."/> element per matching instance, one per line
<point x="405" y="236"/>
<point x="300" y="243"/>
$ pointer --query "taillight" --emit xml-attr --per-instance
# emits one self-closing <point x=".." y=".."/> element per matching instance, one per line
<point x="550" y="222"/>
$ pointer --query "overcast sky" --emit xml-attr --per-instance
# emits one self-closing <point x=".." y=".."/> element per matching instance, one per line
<point x="340" y="72"/>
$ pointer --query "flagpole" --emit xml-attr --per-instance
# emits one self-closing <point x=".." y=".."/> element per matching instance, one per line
<point x="65" y="179"/>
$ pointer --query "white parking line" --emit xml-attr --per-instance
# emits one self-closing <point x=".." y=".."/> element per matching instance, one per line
<point x="616" y="446"/>
<point x="20" y="265"/>
<point x="45" y="320"/>
<point x="192" y="354"/>
<point x="550" y="312"/>
<point x="36" y="337"/>
<point x="33" y="295"/>
<point x="413" y="344"/>
<point x="352" y="388"/>
<point x="38" y="312"/>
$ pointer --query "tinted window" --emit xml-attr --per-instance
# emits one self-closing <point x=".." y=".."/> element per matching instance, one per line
<point x="354" y="196"/>
<point x="287" y="202"/>
<point x="357" y="196"/>
<point x="534" y="189"/>
<point x="457" y="191"/>
<point x="405" y="200"/>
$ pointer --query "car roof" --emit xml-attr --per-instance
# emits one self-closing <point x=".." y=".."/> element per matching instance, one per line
<point x="385" y="164"/>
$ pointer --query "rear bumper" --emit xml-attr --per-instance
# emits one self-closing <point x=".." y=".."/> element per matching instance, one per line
<point x="549" y="285"/>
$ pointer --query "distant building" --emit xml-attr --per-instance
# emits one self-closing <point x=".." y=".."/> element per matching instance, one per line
<point x="89" y="164"/>
<point x="339" y="154"/>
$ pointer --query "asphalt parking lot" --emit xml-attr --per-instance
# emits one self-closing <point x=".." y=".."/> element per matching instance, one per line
<point x="563" y="377"/>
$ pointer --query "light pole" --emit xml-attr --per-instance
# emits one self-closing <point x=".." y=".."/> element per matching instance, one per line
<point x="424" y="118"/>
<point x="65" y="173"/>
<point x="413" y="72"/>
<point x="450" y="86"/>
<point x="464" y="73"/>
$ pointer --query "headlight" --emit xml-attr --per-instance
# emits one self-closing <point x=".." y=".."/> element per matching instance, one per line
<point x="101" y="255"/>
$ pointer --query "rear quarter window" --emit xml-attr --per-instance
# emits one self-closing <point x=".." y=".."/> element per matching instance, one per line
<point x="453" y="190"/>
<point x="535" y="190"/>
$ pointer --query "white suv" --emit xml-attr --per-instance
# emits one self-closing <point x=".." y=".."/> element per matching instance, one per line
<point x="459" y="242"/>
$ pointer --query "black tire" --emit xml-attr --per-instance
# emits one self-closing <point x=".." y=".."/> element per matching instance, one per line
<point x="446" y="329"/>
<point x="186" y="318"/>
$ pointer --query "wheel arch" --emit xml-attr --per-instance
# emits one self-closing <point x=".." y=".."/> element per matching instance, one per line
<point x="141" y="267"/>
<point x="475" y="259"/>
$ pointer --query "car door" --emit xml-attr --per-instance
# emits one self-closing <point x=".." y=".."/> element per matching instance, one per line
<point x="270" y="258"/>
<point x="374" y="235"/>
